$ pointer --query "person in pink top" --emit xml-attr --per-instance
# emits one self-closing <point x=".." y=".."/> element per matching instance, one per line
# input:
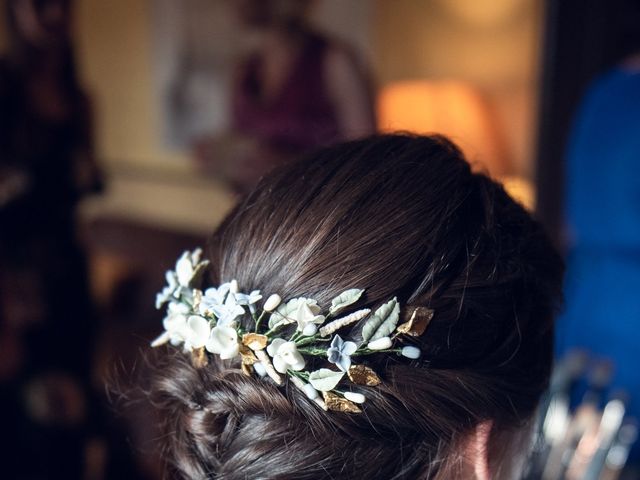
<point x="296" y="91"/>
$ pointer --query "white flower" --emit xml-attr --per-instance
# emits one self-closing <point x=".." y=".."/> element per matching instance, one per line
<point x="168" y="291"/>
<point x="224" y="342"/>
<point x="175" y="325"/>
<point x="186" y="266"/>
<point x="285" y="355"/>
<point x="227" y="313"/>
<point x="307" y="314"/>
<point x="196" y="333"/>
<point x="222" y="303"/>
<point x="249" y="300"/>
<point x="340" y="353"/>
<point x="178" y="281"/>
<point x="213" y="296"/>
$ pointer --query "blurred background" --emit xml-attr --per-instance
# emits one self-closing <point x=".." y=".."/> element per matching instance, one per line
<point x="128" y="129"/>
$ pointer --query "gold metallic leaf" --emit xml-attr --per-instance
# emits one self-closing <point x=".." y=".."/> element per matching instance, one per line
<point x="198" y="273"/>
<point x="255" y="341"/>
<point x="246" y="369"/>
<point x="337" y="403"/>
<point x="197" y="298"/>
<point x="362" y="375"/>
<point x="199" y="358"/>
<point x="417" y="323"/>
<point x="248" y="357"/>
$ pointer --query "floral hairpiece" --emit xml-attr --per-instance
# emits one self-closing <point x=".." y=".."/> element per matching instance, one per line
<point x="285" y="336"/>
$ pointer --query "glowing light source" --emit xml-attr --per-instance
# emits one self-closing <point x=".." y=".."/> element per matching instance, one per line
<point x="455" y="109"/>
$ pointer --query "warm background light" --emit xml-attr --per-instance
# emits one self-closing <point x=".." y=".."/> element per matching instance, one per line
<point x="452" y="108"/>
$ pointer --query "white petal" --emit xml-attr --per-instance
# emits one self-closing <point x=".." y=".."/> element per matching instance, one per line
<point x="254" y="297"/>
<point x="298" y="365"/>
<point x="273" y="347"/>
<point x="161" y="340"/>
<point x="313" y="306"/>
<point x="344" y="363"/>
<point x="222" y="339"/>
<point x="354" y="397"/>
<point x="223" y="290"/>
<point x="349" y="348"/>
<point x="177" y="307"/>
<point x="174" y="322"/>
<point x="161" y="298"/>
<point x="289" y="352"/>
<point x="198" y="331"/>
<point x="184" y="270"/>
<point x="318" y="319"/>
<point x="212" y="295"/>
<point x="196" y="255"/>
<point x="172" y="280"/>
<point x="230" y="352"/>
<point x="380" y="344"/>
<point x="304" y="313"/>
<point x="279" y="364"/>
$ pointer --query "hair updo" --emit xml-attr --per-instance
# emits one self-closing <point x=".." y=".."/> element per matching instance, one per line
<point x="398" y="216"/>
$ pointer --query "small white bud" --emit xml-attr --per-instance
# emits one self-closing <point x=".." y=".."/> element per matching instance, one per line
<point x="309" y="329"/>
<point x="233" y="287"/>
<point x="311" y="392"/>
<point x="380" y="344"/>
<point x="259" y="368"/>
<point x="272" y="303"/>
<point x="161" y="340"/>
<point x="354" y="397"/>
<point x="411" y="352"/>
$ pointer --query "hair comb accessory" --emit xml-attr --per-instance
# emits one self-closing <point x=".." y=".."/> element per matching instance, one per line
<point x="288" y="337"/>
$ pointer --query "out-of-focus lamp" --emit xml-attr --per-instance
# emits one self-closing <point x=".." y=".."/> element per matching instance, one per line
<point x="453" y="108"/>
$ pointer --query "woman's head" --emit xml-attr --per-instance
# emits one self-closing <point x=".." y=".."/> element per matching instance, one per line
<point x="398" y="216"/>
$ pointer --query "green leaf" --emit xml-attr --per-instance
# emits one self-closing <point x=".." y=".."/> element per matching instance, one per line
<point x="324" y="379"/>
<point x="286" y="310"/>
<point x="383" y="322"/>
<point x="345" y="299"/>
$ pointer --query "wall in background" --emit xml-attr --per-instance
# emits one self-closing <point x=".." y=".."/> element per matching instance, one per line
<point x="494" y="44"/>
<point x="115" y="52"/>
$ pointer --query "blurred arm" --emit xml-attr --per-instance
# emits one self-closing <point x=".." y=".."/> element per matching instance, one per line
<point x="351" y="94"/>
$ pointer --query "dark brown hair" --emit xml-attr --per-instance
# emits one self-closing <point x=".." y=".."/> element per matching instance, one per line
<point x="399" y="216"/>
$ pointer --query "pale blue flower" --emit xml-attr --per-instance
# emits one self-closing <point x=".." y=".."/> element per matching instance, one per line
<point x="213" y="297"/>
<point x="340" y="353"/>
<point x="248" y="299"/>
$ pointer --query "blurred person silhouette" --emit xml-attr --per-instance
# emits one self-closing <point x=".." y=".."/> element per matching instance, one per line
<point x="295" y="91"/>
<point x="603" y="220"/>
<point x="46" y="320"/>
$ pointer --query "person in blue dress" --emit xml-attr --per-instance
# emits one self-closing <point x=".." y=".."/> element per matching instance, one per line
<point x="602" y="290"/>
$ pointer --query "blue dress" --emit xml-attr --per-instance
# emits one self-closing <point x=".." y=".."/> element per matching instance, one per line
<point x="602" y="289"/>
